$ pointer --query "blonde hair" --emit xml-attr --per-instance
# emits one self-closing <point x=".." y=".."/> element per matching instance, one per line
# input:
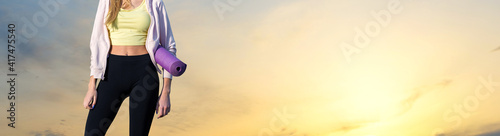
<point x="114" y="8"/>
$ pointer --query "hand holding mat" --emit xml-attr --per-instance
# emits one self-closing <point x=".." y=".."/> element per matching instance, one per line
<point x="169" y="62"/>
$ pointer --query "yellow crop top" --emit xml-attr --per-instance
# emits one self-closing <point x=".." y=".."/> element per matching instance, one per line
<point x="130" y="26"/>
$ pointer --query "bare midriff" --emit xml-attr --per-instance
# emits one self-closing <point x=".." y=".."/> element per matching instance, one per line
<point x="128" y="50"/>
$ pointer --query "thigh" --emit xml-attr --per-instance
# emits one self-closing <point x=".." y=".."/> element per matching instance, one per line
<point x="143" y="99"/>
<point x="109" y="100"/>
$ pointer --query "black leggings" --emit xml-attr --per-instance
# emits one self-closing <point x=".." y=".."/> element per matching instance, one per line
<point x="133" y="76"/>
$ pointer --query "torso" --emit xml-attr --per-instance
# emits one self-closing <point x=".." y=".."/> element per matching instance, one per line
<point x="129" y="50"/>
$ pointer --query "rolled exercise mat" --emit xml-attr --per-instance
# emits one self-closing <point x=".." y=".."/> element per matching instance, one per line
<point x="169" y="62"/>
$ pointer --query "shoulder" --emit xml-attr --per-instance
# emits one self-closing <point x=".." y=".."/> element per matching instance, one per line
<point x="103" y="1"/>
<point x="156" y="3"/>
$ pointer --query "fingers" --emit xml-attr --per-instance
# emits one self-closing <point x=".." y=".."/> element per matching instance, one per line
<point x="94" y="101"/>
<point x="164" y="110"/>
<point x="161" y="112"/>
<point x="90" y="100"/>
<point x="162" y="107"/>
<point x="86" y="103"/>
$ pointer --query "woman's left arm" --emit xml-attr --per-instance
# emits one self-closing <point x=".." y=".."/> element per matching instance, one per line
<point x="167" y="41"/>
<point x="163" y="105"/>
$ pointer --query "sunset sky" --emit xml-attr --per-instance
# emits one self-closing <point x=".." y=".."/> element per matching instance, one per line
<point x="281" y="67"/>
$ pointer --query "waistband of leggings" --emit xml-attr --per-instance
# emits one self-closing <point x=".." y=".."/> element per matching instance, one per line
<point x="128" y="58"/>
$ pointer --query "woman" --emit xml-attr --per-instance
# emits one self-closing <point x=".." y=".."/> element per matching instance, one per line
<point x="125" y="36"/>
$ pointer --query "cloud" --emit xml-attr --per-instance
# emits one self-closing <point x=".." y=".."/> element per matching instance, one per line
<point x="417" y="93"/>
<point x="477" y="130"/>
<point x="46" y="133"/>
<point x="346" y="127"/>
<point x="496" y="49"/>
<point x="494" y="133"/>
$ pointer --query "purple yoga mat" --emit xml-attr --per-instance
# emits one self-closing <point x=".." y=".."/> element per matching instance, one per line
<point x="169" y="62"/>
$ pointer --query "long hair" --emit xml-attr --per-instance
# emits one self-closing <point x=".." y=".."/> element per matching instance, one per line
<point x="114" y="8"/>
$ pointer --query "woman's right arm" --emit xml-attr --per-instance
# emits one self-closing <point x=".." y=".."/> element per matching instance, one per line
<point x="92" y="81"/>
<point x="90" y="99"/>
<point x="96" y="39"/>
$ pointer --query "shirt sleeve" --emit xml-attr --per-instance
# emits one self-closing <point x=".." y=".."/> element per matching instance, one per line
<point x="96" y="33"/>
<point x="166" y="36"/>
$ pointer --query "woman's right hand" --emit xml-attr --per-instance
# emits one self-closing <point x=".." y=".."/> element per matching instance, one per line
<point x="91" y="98"/>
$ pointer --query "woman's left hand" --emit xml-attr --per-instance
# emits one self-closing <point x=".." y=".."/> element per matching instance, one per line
<point x="163" y="106"/>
